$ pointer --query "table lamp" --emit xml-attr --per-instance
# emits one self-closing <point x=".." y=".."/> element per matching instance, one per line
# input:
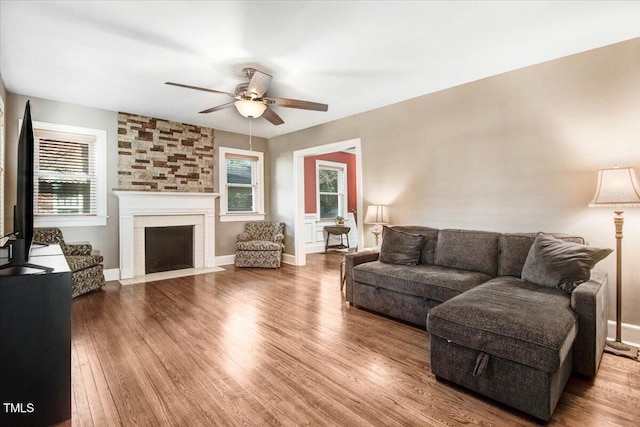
<point x="376" y="215"/>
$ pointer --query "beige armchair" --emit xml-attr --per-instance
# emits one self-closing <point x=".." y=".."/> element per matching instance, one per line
<point x="260" y="245"/>
<point x="86" y="269"/>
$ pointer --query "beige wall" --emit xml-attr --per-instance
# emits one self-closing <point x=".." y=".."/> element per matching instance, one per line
<point x="104" y="239"/>
<point x="514" y="152"/>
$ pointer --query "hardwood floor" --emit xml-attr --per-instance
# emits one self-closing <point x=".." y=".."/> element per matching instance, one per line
<point x="282" y="347"/>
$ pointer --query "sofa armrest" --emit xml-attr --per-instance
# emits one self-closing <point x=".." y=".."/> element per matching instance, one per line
<point x="278" y="238"/>
<point x="351" y="260"/>
<point x="589" y="301"/>
<point x="78" y="248"/>
<point x="243" y="237"/>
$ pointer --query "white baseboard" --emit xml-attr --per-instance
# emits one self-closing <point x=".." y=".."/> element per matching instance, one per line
<point x="314" y="249"/>
<point x="112" y="274"/>
<point x="289" y="259"/>
<point x="226" y="259"/>
<point x="630" y="333"/>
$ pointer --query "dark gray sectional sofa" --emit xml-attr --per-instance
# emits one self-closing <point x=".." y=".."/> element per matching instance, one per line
<point x="492" y="332"/>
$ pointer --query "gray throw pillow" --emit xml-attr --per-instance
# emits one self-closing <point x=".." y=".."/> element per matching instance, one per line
<point x="558" y="264"/>
<point x="400" y="248"/>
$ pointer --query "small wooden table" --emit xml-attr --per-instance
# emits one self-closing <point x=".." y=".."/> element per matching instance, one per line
<point x="336" y="230"/>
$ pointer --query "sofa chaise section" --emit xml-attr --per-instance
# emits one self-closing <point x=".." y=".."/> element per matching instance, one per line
<point x="491" y="331"/>
<point x="508" y="340"/>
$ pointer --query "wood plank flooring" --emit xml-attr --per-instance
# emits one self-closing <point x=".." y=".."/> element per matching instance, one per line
<point x="282" y="347"/>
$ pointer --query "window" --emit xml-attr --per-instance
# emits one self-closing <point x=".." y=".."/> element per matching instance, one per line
<point x="241" y="185"/>
<point x="69" y="176"/>
<point x="332" y="189"/>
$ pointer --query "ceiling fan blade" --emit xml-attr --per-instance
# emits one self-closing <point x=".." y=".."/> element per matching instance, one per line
<point x="295" y="103"/>
<point x="201" y="88"/>
<point x="271" y="115"/>
<point x="259" y="83"/>
<point x="217" y="108"/>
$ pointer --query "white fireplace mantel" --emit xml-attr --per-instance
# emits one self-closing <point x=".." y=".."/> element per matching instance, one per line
<point x="134" y="204"/>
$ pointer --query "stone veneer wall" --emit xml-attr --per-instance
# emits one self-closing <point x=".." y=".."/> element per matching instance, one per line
<point x="162" y="155"/>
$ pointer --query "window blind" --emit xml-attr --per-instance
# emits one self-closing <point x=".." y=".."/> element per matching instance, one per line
<point x="65" y="181"/>
<point x="243" y="180"/>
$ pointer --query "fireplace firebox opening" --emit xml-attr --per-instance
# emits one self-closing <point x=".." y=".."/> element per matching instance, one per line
<point x="168" y="248"/>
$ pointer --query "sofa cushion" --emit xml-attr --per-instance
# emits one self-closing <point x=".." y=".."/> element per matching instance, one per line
<point x="426" y="281"/>
<point x="400" y="248"/>
<point x="80" y="262"/>
<point x="428" y="251"/>
<point x="513" y="249"/>
<point x="468" y="250"/>
<point x="558" y="264"/>
<point x="258" y="245"/>
<point x="508" y="318"/>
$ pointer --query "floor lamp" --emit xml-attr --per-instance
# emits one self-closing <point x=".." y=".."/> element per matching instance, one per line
<point x="378" y="216"/>
<point x="618" y="188"/>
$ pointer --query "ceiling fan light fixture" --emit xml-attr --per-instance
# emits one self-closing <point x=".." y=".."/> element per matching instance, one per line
<point x="249" y="108"/>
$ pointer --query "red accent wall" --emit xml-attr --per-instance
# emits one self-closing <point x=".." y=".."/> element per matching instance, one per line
<point x="310" y="196"/>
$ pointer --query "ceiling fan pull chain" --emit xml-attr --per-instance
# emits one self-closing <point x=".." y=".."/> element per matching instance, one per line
<point x="250" y="146"/>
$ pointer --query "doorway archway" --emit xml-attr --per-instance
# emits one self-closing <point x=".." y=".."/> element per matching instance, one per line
<point x="298" y="186"/>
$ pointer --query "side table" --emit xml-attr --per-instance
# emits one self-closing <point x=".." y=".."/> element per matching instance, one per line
<point x="336" y="230"/>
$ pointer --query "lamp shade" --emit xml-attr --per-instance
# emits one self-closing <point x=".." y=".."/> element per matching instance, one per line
<point x="249" y="108"/>
<point x="376" y="214"/>
<point x="617" y="188"/>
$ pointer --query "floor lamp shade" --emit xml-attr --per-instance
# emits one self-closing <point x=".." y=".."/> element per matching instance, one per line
<point x="618" y="188"/>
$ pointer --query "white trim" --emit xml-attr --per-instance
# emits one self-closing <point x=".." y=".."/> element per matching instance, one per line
<point x="147" y="204"/>
<point x="111" y="274"/>
<point x="70" y="221"/>
<point x="289" y="259"/>
<point x="226" y="259"/>
<point x="343" y="186"/>
<point x="226" y="216"/>
<point x="630" y="332"/>
<point x="241" y="217"/>
<point x="314" y="249"/>
<point x="298" y="190"/>
<point x="100" y="219"/>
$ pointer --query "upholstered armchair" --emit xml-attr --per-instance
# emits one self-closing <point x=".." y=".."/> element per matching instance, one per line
<point x="86" y="269"/>
<point x="260" y="245"/>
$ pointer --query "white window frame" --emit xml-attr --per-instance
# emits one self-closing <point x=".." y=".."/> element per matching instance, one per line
<point x="343" y="200"/>
<point x="100" y="219"/>
<point x="258" y="213"/>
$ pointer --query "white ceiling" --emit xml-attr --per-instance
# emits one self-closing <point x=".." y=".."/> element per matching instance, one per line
<point x="354" y="56"/>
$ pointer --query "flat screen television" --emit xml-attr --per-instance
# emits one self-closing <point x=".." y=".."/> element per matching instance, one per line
<point x="22" y="236"/>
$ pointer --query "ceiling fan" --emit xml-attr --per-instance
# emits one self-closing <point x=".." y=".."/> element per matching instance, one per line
<point x="250" y="100"/>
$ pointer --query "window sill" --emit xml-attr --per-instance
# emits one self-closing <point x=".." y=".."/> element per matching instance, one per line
<point x="70" y="221"/>
<point x="242" y="217"/>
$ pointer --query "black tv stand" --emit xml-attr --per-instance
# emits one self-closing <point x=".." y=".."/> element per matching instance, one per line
<point x="23" y="268"/>
<point x="17" y="260"/>
<point x="35" y="340"/>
